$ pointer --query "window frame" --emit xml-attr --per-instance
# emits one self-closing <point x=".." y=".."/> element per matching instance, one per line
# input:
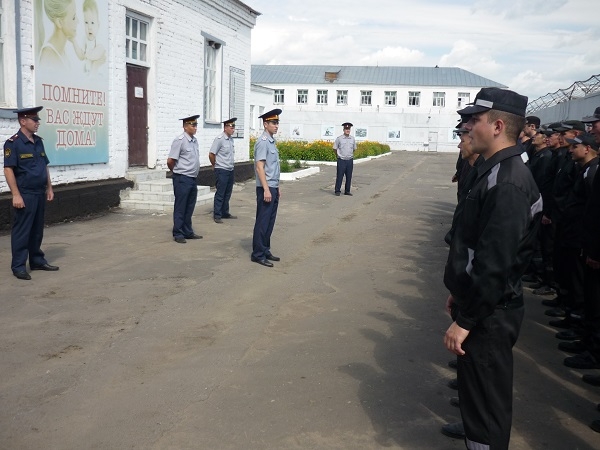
<point x="463" y="99"/>
<point x="302" y="94"/>
<point x="366" y="98"/>
<point x="342" y="97"/>
<point x="278" y="96"/>
<point x="439" y="97"/>
<point x="322" y="96"/>
<point x="414" y="98"/>
<point x="213" y="79"/>
<point x="390" y="98"/>
<point x="130" y="40"/>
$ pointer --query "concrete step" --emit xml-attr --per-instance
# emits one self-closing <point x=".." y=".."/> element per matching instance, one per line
<point x="167" y="207"/>
<point x="141" y="175"/>
<point x="166" y="196"/>
<point x="165" y="185"/>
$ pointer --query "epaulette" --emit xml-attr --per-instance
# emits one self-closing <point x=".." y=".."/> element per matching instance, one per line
<point x="13" y="138"/>
<point x="264" y="138"/>
<point x="181" y="137"/>
<point x="220" y="136"/>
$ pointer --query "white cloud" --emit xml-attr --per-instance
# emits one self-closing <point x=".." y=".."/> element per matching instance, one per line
<point x="393" y="56"/>
<point x="466" y="55"/>
<point x="519" y="8"/>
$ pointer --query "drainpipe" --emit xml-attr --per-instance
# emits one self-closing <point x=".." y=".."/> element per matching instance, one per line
<point x="18" y="51"/>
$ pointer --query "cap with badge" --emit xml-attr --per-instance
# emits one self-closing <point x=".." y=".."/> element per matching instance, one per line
<point x="587" y="139"/>
<point x="271" y="116"/>
<point x="572" y="125"/>
<point x="29" y="113"/>
<point x="593" y="118"/>
<point x="347" y="125"/>
<point x="497" y="99"/>
<point x="192" y="120"/>
<point x="229" y="121"/>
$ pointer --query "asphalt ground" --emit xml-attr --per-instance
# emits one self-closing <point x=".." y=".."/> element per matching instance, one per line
<point x="142" y="343"/>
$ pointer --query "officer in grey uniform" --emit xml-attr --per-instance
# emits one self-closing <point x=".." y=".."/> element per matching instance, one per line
<point x="184" y="162"/>
<point x="222" y="156"/>
<point x="344" y="147"/>
<point x="266" y="168"/>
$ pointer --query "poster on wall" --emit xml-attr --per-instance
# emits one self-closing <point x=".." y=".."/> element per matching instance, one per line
<point x="361" y="133"/>
<point x="297" y="131"/>
<point x="453" y="136"/>
<point x="327" y="131"/>
<point x="71" y="79"/>
<point x="393" y="135"/>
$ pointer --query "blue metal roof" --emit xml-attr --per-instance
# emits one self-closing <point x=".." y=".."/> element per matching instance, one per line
<point x="365" y="75"/>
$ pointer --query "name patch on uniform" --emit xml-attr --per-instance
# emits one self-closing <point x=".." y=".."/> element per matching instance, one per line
<point x="26" y="155"/>
<point x="7" y="152"/>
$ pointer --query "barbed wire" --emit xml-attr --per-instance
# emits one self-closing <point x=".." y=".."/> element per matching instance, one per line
<point x="579" y="89"/>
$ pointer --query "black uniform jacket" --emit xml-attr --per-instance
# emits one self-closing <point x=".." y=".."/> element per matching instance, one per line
<point x="494" y="238"/>
<point x="591" y="223"/>
<point x="577" y="198"/>
<point x="540" y="165"/>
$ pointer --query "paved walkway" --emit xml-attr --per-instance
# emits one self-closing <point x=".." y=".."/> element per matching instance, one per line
<point x="139" y="342"/>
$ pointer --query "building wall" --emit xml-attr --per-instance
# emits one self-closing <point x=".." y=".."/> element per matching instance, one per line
<point x="571" y="110"/>
<point x="421" y="128"/>
<point x="261" y="101"/>
<point x="175" y="79"/>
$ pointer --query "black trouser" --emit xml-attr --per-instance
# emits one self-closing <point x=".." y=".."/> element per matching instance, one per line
<point x="485" y="379"/>
<point x="266" y="213"/>
<point x="573" y="277"/>
<point x="344" y="167"/>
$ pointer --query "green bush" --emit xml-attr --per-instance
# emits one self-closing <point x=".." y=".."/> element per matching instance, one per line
<point x="320" y="150"/>
<point x="284" y="166"/>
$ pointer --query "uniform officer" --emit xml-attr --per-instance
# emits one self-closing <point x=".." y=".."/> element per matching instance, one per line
<point x="184" y="162"/>
<point x="266" y="168"/>
<point x="28" y="177"/>
<point x="222" y="155"/>
<point x="344" y="146"/>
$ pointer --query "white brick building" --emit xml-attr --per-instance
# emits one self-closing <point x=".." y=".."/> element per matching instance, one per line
<point x="409" y="108"/>
<point x="189" y="57"/>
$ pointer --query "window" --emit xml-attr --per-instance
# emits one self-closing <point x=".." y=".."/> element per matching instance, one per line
<point x="390" y="98"/>
<point x="213" y="64"/>
<point x="321" y="97"/>
<point x="302" y="96"/>
<point x="342" y="97"/>
<point x="2" y="65"/>
<point x="136" y="39"/>
<point x="414" y="98"/>
<point x="365" y="97"/>
<point x="463" y="99"/>
<point x="237" y="99"/>
<point x="439" y="99"/>
<point x="278" y="96"/>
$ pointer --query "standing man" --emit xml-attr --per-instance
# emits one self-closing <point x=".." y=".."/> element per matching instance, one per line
<point x="222" y="156"/>
<point x="344" y="147"/>
<point x="266" y="169"/>
<point x="184" y="162"/>
<point x="488" y="254"/>
<point x="28" y="177"/>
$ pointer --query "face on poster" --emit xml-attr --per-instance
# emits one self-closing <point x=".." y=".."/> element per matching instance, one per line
<point x="71" y="77"/>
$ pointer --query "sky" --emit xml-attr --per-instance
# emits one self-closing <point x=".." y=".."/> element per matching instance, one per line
<point x="532" y="46"/>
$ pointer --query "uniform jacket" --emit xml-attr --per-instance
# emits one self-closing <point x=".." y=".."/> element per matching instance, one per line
<point x="494" y="238"/>
<point x="577" y="197"/>
<point x="566" y="172"/>
<point x="591" y="223"/>
<point x="540" y="165"/>
<point x="29" y="162"/>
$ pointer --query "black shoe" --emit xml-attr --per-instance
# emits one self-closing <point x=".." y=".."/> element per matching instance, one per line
<point x="347" y="193"/>
<point x="194" y="236"/>
<point x="562" y="323"/>
<point x="582" y="361"/>
<point x="568" y="335"/>
<point x="544" y="290"/>
<point x="556" y="312"/>
<point x="454" y="401"/>
<point x="218" y="220"/>
<point x="575" y="347"/>
<point x="46" y="266"/>
<point x="22" y="275"/>
<point x="180" y="240"/>
<point x="454" y="430"/>
<point x="272" y="257"/>
<point x="453" y="384"/>
<point x="595" y="425"/>
<point x="262" y="262"/>
<point x="537" y="285"/>
<point x="453" y="364"/>
<point x="337" y="194"/>
<point x="594" y="380"/>
<point x="230" y="216"/>
<point x="552" y="302"/>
